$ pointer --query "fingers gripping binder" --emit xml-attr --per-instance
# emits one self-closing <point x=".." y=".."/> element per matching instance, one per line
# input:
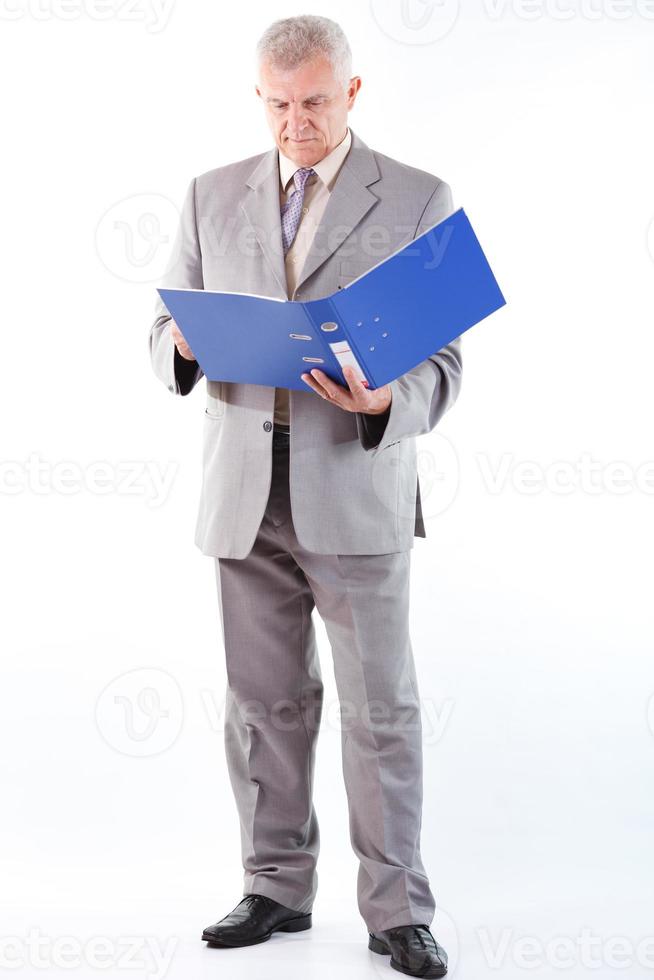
<point x="385" y="322"/>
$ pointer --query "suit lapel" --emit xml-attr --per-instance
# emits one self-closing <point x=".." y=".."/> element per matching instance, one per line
<point x="262" y="211"/>
<point x="348" y="203"/>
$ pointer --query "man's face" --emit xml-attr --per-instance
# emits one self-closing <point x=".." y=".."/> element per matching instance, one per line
<point x="306" y="108"/>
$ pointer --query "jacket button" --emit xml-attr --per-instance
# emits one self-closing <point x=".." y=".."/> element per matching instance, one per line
<point x="267" y="425"/>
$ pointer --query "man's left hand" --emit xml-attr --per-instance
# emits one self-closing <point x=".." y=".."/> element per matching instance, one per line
<point x="355" y="398"/>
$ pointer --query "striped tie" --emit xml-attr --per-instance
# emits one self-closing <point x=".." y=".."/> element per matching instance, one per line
<point x="292" y="210"/>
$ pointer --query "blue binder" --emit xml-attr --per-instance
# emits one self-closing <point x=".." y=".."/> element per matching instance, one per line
<point x="385" y="322"/>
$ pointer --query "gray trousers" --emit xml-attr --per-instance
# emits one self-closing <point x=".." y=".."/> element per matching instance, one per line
<point x="273" y="710"/>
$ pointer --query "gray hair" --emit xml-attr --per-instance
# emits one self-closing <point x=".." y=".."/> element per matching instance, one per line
<point x="290" y="42"/>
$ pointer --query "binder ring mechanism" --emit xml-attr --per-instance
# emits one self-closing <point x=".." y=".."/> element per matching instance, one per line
<point x="306" y="336"/>
<point x="342" y="351"/>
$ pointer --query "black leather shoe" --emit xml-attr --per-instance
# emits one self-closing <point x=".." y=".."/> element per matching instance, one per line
<point x="413" y="950"/>
<point x="254" y="920"/>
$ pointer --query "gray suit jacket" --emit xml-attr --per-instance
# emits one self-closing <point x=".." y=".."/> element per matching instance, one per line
<point x="353" y="477"/>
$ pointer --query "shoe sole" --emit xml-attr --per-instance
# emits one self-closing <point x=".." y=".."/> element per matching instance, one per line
<point x="298" y="924"/>
<point x="377" y="946"/>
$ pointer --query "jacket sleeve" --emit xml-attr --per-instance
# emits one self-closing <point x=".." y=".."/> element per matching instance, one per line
<point x="184" y="271"/>
<point x="420" y="397"/>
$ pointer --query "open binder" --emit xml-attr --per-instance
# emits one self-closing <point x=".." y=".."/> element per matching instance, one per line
<point x="383" y="323"/>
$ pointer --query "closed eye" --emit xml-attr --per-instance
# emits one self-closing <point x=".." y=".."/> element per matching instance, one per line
<point x="313" y="103"/>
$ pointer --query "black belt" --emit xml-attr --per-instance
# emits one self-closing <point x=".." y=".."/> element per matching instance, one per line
<point x="281" y="437"/>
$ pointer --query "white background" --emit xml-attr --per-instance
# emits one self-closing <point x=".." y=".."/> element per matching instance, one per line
<point x="531" y="595"/>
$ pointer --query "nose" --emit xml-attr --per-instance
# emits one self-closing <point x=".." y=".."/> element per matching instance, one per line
<point x="297" y="120"/>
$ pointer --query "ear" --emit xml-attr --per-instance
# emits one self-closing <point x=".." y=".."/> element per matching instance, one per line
<point x="355" y="85"/>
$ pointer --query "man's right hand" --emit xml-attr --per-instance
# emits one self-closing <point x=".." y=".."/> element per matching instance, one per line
<point x="180" y="343"/>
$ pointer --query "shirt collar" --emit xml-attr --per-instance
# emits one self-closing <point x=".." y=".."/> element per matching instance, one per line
<point x="327" y="168"/>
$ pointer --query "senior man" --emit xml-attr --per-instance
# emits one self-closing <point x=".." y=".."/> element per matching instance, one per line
<point x="311" y="498"/>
